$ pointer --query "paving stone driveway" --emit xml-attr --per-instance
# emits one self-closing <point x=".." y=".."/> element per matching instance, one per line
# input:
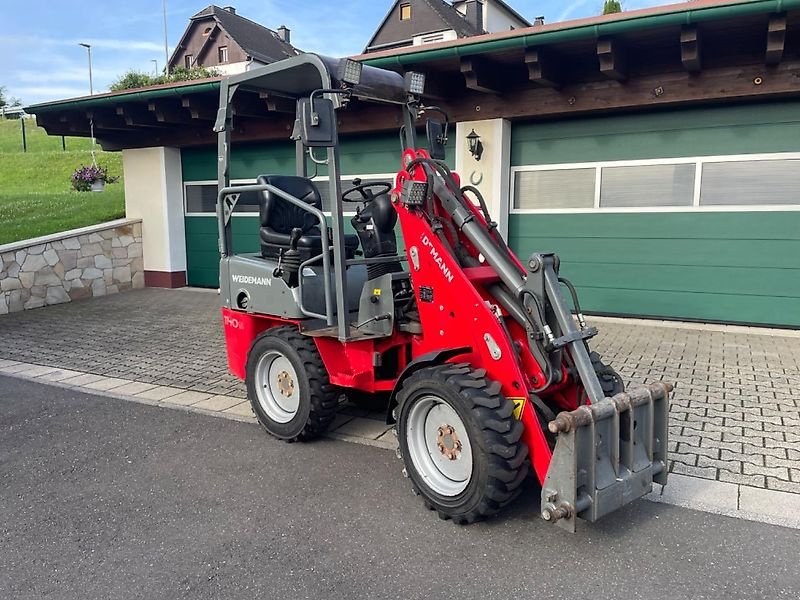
<point x="164" y="337"/>
<point x="735" y="415"/>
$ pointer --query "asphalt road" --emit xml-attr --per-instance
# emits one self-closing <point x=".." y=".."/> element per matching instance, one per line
<point x="102" y="498"/>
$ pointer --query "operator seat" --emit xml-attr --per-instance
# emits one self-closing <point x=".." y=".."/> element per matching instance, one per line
<point x="279" y="217"/>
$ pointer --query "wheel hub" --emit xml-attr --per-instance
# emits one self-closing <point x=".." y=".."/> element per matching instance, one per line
<point x="448" y="442"/>
<point x="285" y="384"/>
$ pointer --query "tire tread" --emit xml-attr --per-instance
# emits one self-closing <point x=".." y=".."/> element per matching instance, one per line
<point x="500" y="439"/>
<point x="324" y="395"/>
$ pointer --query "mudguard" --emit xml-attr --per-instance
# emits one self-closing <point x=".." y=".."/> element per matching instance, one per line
<point x="437" y="357"/>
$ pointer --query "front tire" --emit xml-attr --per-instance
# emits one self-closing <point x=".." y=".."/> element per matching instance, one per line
<point x="460" y="443"/>
<point x="288" y="385"/>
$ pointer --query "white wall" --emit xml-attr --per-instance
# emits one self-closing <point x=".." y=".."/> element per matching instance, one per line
<point x="496" y="19"/>
<point x="432" y="38"/>
<point x="154" y="194"/>
<point x="231" y="68"/>
<point x="492" y="174"/>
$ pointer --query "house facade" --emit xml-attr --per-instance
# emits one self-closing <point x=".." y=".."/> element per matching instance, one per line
<point x="221" y="39"/>
<point x="419" y="22"/>
<point x="655" y="151"/>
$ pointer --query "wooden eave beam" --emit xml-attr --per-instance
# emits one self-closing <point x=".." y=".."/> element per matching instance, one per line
<point x="481" y="75"/>
<point x="612" y="59"/>
<point x="169" y="112"/>
<point x="280" y="104"/>
<point x="107" y="120"/>
<point x="199" y="109"/>
<point x="776" y="39"/>
<point x="250" y="106"/>
<point x="136" y="115"/>
<point x="63" y="124"/>
<point x="691" y="50"/>
<point x="542" y="67"/>
<point x="677" y="88"/>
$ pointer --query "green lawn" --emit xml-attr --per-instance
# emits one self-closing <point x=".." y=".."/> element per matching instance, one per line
<point x="36" y="197"/>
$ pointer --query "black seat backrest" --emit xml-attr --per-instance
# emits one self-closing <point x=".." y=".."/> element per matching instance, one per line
<point x="282" y="216"/>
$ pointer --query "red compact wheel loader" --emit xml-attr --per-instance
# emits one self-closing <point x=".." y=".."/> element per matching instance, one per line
<point x="487" y="370"/>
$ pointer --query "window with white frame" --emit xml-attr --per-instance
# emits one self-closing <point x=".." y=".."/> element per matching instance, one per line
<point x="710" y="183"/>
<point x="647" y="186"/>
<point x="744" y="182"/>
<point x="200" y="197"/>
<point x="555" y="188"/>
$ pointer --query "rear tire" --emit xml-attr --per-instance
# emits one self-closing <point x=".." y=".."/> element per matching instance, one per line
<point x="460" y="443"/>
<point x="288" y="385"/>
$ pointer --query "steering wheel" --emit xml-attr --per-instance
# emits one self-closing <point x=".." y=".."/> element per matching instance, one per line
<point x="365" y="189"/>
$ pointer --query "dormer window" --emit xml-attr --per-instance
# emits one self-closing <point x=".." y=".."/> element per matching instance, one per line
<point x="223" y="55"/>
<point x="405" y="12"/>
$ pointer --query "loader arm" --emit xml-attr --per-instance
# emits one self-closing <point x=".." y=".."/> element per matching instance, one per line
<point x="599" y="453"/>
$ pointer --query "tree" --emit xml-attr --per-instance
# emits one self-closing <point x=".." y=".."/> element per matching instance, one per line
<point x="6" y="102"/>
<point x="612" y="6"/>
<point x="136" y="79"/>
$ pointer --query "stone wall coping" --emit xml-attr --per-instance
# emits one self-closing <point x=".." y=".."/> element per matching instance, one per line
<point x="54" y="237"/>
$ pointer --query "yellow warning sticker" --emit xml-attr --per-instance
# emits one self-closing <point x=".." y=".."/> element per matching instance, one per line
<point x="376" y="292"/>
<point x="519" y="404"/>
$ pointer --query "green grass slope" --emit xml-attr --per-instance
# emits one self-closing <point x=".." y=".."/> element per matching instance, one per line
<point x="36" y="196"/>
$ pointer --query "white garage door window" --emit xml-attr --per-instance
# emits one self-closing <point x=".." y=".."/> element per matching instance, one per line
<point x="200" y="197"/>
<point x="718" y="183"/>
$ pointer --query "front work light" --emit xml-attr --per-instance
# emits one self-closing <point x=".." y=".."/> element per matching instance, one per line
<point x="415" y="83"/>
<point x="350" y="71"/>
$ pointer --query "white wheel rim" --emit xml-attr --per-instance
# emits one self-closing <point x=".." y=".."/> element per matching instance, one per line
<point x="439" y="446"/>
<point x="277" y="387"/>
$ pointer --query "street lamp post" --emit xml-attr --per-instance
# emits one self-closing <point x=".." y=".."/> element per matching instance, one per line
<point x="89" y="50"/>
<point x="166" y="44"/>
<point x="155" y="66"/>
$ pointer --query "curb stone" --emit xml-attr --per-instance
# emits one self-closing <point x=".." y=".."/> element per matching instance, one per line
<point x="705" y="495"/>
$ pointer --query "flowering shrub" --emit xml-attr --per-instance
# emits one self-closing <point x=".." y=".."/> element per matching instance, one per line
<point x="84" y="177"/>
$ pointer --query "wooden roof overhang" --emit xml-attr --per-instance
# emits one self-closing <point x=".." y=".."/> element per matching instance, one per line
<point x="708" y="51"/>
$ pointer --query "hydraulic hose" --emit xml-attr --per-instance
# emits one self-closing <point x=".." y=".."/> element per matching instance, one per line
<point x="476" y="192"/>
<point x="574" y="293"/>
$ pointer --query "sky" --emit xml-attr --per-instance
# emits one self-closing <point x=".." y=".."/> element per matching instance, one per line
<point x="43" y="61"/>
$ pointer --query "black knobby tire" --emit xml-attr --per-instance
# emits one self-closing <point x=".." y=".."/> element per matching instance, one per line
<point x="318" y="399"/>
<point x="500" y="460"/>
<point x="610" y="380"/>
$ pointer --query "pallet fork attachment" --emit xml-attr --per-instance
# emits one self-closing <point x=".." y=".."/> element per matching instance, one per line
<point x="607" y="455"/>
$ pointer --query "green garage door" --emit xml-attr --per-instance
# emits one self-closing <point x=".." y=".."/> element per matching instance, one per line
<point x="363" y="156"/>
<point x="692" y="214"/>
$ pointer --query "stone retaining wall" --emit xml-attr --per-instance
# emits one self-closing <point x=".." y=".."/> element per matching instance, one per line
<point x="73" y="265"/>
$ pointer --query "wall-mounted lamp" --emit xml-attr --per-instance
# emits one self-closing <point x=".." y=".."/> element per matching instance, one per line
<point x="475" y="145"/>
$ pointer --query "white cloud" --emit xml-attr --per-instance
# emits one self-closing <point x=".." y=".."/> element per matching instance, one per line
<point x="66" y="74"/>
<point x="571" y="8"/>
<point x="43" y="93"/>
<point x="125" y="45"/>
<point x="105" y="43"/>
